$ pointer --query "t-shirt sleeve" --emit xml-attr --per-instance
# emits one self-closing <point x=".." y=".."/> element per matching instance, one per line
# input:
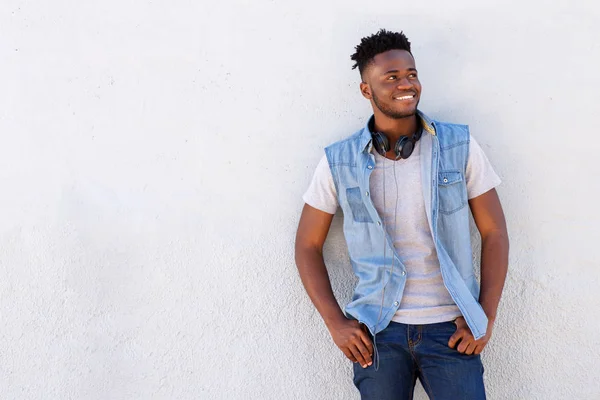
<point x="481" y="176"/>
<point x="321" y="192"/>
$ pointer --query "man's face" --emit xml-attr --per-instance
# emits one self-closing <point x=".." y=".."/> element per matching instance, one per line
<point x="392" y="84"/>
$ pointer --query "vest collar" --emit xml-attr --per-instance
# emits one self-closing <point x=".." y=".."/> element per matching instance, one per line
<point x="366" y="140"/>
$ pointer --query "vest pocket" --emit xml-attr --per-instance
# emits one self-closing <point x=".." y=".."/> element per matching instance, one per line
<point x="359" y="210"/>
<point x="452" y="191"/>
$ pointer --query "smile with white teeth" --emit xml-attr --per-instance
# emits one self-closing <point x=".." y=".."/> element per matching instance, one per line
<point x="408" y="97"/>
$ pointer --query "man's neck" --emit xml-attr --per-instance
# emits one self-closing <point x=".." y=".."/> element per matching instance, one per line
<point x="393" y="128"/>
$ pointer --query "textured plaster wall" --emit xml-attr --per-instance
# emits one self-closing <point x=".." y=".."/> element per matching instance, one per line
<point x="153" y="158"/>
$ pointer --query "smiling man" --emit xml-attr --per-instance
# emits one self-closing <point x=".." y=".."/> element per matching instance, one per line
<point x="406" y="184"/>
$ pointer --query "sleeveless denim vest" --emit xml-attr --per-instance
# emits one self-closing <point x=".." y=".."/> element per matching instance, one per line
<point x="444" y="151"/>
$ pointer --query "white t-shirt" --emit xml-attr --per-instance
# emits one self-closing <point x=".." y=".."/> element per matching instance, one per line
<point x="425" y="299"/>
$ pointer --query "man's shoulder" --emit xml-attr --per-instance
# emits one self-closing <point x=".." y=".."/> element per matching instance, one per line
<point x="450" y="124"/>
<point x="446" y="124"/>
<point x="346" y="150"/>
<point x="451" y="133"/>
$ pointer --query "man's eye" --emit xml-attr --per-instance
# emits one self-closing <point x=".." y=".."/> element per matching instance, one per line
<point x="391" y="77"/>
<point x="412" y="76"/>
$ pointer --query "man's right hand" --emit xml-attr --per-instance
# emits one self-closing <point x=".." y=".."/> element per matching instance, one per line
<point x="353" y="339"/>
<point x="348" y="334"/>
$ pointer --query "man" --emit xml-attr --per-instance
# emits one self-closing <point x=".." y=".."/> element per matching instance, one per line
<point x="403" y="183"/>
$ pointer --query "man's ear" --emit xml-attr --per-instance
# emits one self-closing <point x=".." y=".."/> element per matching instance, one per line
<point x="365" y="90"/>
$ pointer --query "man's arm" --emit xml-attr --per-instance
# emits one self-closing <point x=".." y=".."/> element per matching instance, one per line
<point x="347" y="334"/>
<point x="489" y="218"/>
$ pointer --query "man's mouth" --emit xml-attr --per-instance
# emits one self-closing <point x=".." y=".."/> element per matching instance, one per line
<point x="405" y="97"/>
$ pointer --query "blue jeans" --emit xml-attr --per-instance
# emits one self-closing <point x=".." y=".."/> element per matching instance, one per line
<point x="408" y="352"/>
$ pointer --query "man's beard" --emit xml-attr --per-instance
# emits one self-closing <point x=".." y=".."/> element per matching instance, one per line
<point x="387" y="111"/>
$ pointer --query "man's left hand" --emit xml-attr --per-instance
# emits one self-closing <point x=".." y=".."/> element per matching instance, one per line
<point x="468" y="345"/>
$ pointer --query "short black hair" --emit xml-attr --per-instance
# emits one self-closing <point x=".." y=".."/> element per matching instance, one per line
<point x="380" y="42"/>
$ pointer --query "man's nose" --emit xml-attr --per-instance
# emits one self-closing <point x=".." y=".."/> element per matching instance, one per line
<point x="404" y="83"/>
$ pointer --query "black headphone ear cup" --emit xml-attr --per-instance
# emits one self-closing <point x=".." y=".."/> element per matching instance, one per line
<point x="404" y="147"/>
<point x="381" y="143"/>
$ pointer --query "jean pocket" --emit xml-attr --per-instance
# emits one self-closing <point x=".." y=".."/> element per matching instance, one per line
<point x="357" y="205"/>
<point x="452" y="191"/>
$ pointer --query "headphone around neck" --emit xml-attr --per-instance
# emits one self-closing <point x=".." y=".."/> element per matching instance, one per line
<point x="404" y="145"/>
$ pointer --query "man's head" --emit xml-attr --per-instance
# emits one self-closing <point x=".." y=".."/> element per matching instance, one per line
<point x="388" y="72"/>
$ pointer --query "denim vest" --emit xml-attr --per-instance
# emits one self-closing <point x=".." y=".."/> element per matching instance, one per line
<point x="444" y="151"/>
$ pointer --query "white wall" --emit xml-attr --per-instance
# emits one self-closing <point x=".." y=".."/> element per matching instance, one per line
<point x="153" y="158"/>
